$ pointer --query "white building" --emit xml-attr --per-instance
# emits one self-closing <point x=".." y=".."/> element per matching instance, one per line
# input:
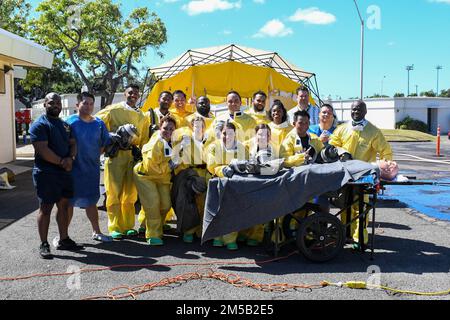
<point x="68" y="102"/>
<point x="386" y="112"/>
<point x="14" y="51"/>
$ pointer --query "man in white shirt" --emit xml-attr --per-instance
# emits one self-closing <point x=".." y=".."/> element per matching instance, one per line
<point x="303" y="104"/>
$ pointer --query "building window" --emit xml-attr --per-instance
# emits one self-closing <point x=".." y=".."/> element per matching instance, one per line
<point x="2" y="82"/>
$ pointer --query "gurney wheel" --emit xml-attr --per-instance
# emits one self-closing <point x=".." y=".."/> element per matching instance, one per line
<point x="320" y="237"/>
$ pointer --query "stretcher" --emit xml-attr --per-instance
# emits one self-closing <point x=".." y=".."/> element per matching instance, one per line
<point x="247" y="200"/>
<point x="321" y="236"/>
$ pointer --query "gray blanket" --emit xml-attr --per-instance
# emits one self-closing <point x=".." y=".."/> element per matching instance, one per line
<point x="246" y="200"/>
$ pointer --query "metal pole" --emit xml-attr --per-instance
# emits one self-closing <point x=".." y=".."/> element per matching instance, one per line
<point x="362" y="50"/>
<point x="409" y="68"/>
<point x="437" y="85"/>
<point x="382" y="82"/>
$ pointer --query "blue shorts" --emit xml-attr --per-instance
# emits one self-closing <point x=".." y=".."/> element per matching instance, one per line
<point x="52" y="187"/>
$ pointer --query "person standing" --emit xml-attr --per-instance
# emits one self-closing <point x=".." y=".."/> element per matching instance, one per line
<point x="258" y="113"/>
<point x="92" y="136"/>
<point x="245" y="124"/>
<point x="364" y="142"/>
<point x="121" y="193"/>
<point x="55" y="150"/>
<point x="179" y="112"/>
<point x="203" y="107"/>
<point x="326" y="125"/>
<point x="279" y="125"/>
<point x="300" y="147"/>
<point x="303" y="104"/>
<point x="152" y="176"/>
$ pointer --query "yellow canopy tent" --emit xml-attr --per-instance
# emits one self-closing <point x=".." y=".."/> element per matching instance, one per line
<point x="217" y="70"/>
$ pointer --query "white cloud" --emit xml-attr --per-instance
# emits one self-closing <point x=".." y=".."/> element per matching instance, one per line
<point x="207" y="6"/>
<point x="225" y="32"/>
<point x="170" y="1"/>
<point x="391" y="43"/>
<point x="259" y="1"/>
<point x="273" y="29"/>
<point x="313" y="16"/>
<point x="440" y="1"/>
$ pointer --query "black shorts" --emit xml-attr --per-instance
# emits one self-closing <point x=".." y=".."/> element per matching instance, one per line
<point x="52" y="187"/>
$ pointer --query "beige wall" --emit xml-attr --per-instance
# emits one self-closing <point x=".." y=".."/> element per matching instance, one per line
<point x="7" y="132"/>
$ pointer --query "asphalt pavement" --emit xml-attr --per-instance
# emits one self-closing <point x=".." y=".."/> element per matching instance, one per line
<point x="412" y="252"/>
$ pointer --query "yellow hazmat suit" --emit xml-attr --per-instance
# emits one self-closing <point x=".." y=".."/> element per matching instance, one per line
<point x="208" y="120"/>
<point x="259" y="117"/>
<point x="152" y="177"/>
<point x="193" y="156"/>
<point x="362" y="145"/>
<point x="121" y="193"/>
<point x="245" y="124"/>
<point x="278" y="134"/>
<point x="294" y="153"/>
<point x="218" y="158"/>
<point x="180" y="116"/>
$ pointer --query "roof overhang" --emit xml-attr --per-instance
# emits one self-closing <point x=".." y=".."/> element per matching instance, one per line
<point x="22" y="52"/>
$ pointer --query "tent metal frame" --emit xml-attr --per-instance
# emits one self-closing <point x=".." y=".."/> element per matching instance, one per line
<point x="230" y="53"/>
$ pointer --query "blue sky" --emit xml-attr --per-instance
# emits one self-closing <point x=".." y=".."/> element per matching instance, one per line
<point x="320" y="36"/>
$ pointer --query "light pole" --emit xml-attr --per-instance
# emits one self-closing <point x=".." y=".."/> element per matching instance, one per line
<point x="437" y="86"/>
<point x="409" y="68"/>
<point x="382" y="82"/>
<point x="362" y="49"/>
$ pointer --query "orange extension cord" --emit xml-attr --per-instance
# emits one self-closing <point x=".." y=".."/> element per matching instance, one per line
<point x="123" y="292"/>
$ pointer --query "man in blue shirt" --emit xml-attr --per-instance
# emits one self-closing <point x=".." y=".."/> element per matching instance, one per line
<point x="303" y="104"/>
<point x="326" y="125"/>
<point x="55" y="151"/>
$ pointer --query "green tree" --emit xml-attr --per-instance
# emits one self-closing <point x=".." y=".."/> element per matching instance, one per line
<point x="399" y="95"/>
<point x="429" y="93"/>
<point x="13" y="16"/>
<point x="99" y="42"/>
<point x="39" y="82"/>
<point x="445" y="93"/>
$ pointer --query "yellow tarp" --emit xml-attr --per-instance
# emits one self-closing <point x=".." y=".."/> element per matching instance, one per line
<point x="216" y="80"/>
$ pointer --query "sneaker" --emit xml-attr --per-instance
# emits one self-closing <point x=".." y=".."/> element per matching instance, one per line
<point x="44" y="250"/>
<point x="101" y="237"/>
<point x="68" y="244"/>
<point x="217" y="243"/>
<point x="55" y="242"/>
<point x="188" y="238"/>
<point x="155" y="242"/>
<point x="116" y="235"/>
<point x="132" y="233"/>
<point x="252" y="243"/>
<point x="232" y="246"/>
<point x="141" y="230"/>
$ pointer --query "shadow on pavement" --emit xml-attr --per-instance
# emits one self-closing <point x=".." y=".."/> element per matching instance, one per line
<point x="18" y="202"/>
<point x="391" y="255"/>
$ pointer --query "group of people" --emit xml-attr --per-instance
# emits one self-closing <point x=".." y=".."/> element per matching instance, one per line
<point x="166" y="142"/>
